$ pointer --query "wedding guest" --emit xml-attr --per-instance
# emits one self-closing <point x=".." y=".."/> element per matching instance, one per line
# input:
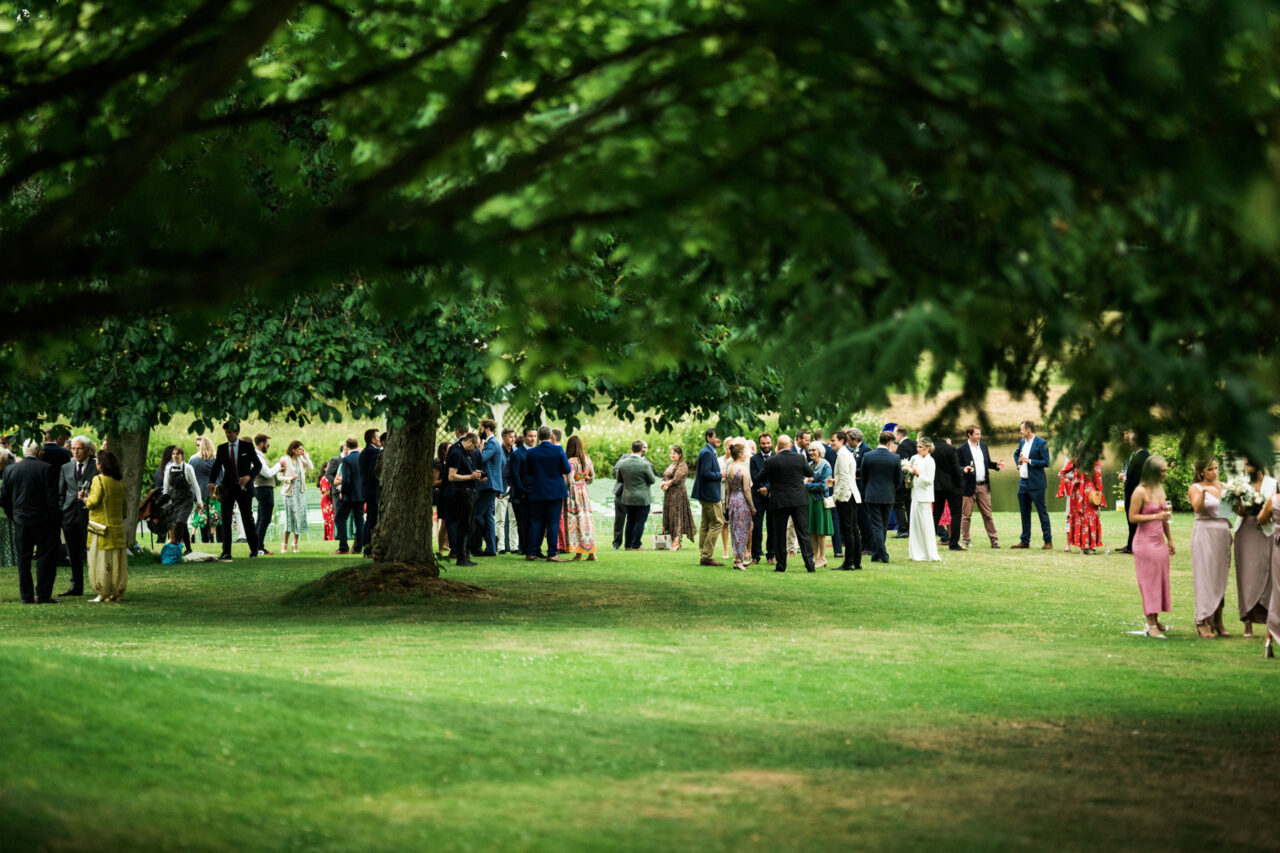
<point x="73" y="479"/>
<point x="30" y="497"/>
<point x="580" y="528"/>
<point x="922" y="546"/>
<point x="1210" y="549"/>
<point x="464" y="476"/>
<point x="326" y="504"/>
<point x="166" y="456"/>
<point x="438" y="498"/>
<point x="1153" y="543"/>
<point x="723" y="460"/>
<point x="350" y="500"/>
<point x="184" y="495"/>
<point x="636" y="476"/>
<point x="55" y="451"/>
<point x="761" y="544"/>
<point x="740" y="507"/>
<point x="820" y="525"/>
<point x="108" y="560"/>
<point x="264" y="490"/>
<point x="520" y="499"/>
<point x="844" y="488"/>
<point x="881" y="474"/>
<point x="906" y="451"/>
<point x="369" y="485"/>
<point x="1273" y="608"/>
<point x="1131" y="476"/>
<point x="202" y="464"/>
<point x="294" y="467"/>
<point x="947" y="485"/>
<point x="789" y="501"/>
<point x="8" y="542"/>
<point x="977" y="468"/>
<point x="707" y="480"/>
<point x="241" y="464"/>
<point x="542" y="479"/>
<point x="1032" y="457"/>
<point x="1254" y="547"/>
<point x="1081" y="484"/>
<point x="504" y="513"/>
<point x="677" y="514"/>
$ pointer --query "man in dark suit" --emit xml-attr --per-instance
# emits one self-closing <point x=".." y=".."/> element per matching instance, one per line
<point x="761" y="499"/>
<point x="786" y="473"/>
<point x="1132" y="476"/>
<point x="519" y="497"/>
<point x="30" y="497"/>
<point x="351" y="502"/>
<point x="464" y="475"/>
<point x="881" y="476"/>
<point x="902" y="500"/>
<point x="946" y="489"/>
<point x="707" y="480"/>
<point x="369" y="483"/>
<point x="73" y="479"/>
<point x="240" y="462"/>
<point x="55" y="454"/>
<point x="1032" y="457"/>
<point x="977" y="468"/>
<point x="543" y="474"/>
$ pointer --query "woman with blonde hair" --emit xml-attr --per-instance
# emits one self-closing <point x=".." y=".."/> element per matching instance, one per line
<point x="108" y="562"/>
<point x="294" y="467"/>
<point x="1152" y="543"/>
<point x="202" y="465"/>
<point x="922" y="542"/>
<point x="741" y="508"/>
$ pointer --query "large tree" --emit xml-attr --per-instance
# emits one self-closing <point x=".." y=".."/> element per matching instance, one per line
<point x="1014" y="188"/>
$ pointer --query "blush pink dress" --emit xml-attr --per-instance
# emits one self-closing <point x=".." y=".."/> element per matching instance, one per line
<point x="1151" y="563"/>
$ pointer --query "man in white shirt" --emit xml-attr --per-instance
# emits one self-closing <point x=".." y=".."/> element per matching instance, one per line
<point x="976" y="467"/>
<point x="264" y="489"/>
<point x="845" y="489"/>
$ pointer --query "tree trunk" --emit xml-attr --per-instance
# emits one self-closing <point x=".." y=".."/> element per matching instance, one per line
<point x="404" y="533"/>
<point x="130" y="448"/>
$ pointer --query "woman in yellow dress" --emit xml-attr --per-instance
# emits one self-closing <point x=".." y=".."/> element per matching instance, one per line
<point x="108" y="559"/>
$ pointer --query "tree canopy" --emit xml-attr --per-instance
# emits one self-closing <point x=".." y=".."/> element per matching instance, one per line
<point x="1018" y="189"/>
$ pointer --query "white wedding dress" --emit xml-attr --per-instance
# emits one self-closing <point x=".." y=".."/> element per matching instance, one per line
<point x="922" y="545"/>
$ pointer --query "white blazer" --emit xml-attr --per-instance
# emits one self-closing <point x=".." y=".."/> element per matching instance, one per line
<point x="846" y="477"/>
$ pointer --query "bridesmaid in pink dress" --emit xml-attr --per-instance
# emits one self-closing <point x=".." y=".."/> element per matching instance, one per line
<point x="1153" y="543"/>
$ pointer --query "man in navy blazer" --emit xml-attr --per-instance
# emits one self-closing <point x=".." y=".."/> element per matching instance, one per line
<point x="542" y="478"/>
<point x="351" y="502"/>
<point x="1032" y="457"/>
<point x="879" y="476"/>
<point x="706" y="489"/>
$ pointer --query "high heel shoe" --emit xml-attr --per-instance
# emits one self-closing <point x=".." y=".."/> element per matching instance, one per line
<point x="1153" y="631"/>
<point x="1203" y="631"/>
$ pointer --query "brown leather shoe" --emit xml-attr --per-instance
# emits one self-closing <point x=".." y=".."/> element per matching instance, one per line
<point x="1048" y="546"/>
<point x="1019" y="546"/>
<point x="711" y="563"/>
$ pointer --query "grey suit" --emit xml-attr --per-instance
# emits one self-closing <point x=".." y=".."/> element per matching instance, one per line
<point x="75" y="516"/>
<point x="636" y="476"/>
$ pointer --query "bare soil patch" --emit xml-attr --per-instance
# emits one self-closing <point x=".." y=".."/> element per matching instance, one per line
<point x="1005" y="411"/>
<point x="383" y="583"/>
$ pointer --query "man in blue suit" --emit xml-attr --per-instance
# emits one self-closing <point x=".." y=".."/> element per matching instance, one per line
<point x="1032" y="457"/>
<point x="542" y="478"/>
<point x="519" y="497"/>
<point x="351" y="502"/>
<point x="706" y="489"/>
<point x="879" y="476"/>
<point x="491" y="459"/>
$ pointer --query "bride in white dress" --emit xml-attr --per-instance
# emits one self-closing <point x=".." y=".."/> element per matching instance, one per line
<point x="922" y="546"/>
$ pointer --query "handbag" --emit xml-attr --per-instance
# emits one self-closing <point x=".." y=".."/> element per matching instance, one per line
<point x="660" y="542"/>
<point x="97" y="528"/>
<point x="829" y="502"/>
<point x="1095" y="498"/>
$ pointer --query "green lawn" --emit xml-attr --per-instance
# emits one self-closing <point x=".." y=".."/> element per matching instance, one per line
<point x="994" y="700"/>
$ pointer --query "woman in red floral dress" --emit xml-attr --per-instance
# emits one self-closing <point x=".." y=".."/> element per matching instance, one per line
<point x="326" y="507"/>
<point x="1078" y="483"/>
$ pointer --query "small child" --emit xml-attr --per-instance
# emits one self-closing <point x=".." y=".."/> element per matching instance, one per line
<point x="171" y="553"/>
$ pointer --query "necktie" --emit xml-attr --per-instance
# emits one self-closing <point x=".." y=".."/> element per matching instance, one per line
<point x="231" y="451"/>
<point x="79" y="471"/>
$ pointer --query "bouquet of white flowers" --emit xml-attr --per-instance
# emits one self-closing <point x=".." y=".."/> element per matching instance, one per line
<point x="1240" y="494"/>
<point x="908" y="475"/>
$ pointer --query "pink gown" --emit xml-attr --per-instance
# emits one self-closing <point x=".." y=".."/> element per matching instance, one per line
<point x="1151" y="562"/>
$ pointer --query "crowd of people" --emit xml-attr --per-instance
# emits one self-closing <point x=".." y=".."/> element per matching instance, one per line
<point x="527" y="494"/>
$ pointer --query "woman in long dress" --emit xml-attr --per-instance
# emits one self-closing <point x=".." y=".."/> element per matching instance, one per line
<point x="1152" y="543"/>
<point x="183" y="489"/>
<point x="820" y="523"/>
<point x="724" y="493"/>
<point x="1078" y="483"/>
<point x="108" y="563"/>
<point x="1273" y="610"/>
<point x="1210" y="550"/>
<point x="579" y="526"/>
<point x="294" y="467"/>
<point x="922" y="541"/>
<point x="8" y="540"/>
<point x="326" y="506"/>
<point x="1254" y="547"/>
<point x="740" y="506"/>
<point x="677" y="516"/>
<point x="202" y="464"/>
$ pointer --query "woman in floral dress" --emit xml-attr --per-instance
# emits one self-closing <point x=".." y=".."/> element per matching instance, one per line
<point x="1078" y="483"/>
<point x="740" y="506"/>
<point x="326" y="506"/>
<point x="677" y="516"/>
<point x="579" y="527"/>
